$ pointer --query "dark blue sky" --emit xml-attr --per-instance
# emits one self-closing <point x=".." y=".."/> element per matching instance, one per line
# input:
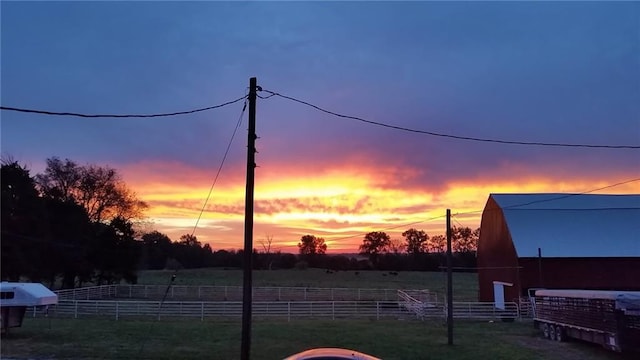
<point x="529" y="71"/>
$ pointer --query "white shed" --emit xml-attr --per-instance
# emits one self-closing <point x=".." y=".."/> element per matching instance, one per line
<point x="16" y="297"/>
<point x="26" y="294"/>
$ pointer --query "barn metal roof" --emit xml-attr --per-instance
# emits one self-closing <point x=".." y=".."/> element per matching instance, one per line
<point x="572" y="225"/>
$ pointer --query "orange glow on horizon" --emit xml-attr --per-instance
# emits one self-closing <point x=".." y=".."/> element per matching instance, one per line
<point x="339" y="205"/>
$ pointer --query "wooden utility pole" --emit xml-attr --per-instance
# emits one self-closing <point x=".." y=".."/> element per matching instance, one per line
<point x="248" y="224"/>
<point x="449" y="282"/>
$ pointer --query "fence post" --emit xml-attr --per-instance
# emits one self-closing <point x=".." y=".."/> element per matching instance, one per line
<point x="117" y="302"/>
<point x="145" y="293"/>
<point x="75" y="310"/>
<point x="289" y="311"/>
<point x="34" y="311"/>
<point x="377" y="310"/>
<point x="332" y="299"/>
<point x="333" y="310"/>
<point x="202" y="311"/>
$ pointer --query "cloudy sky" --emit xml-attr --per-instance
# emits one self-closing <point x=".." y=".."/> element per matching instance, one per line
<point x="553" y="72"/>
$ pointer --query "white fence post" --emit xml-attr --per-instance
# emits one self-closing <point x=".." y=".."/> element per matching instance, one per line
<point x="289" y="311"/>
<point x="117" y="302"/>
<point x="75" y="309"/>
<point x="202" y="311"/>
<point x="333" y="310"/>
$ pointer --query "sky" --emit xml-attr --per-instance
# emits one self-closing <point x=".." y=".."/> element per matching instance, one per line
<point x="553" y="72"/>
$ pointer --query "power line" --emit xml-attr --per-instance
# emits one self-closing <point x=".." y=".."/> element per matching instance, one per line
<point x="391" y="227"/>
<point x="220" y="167"/>
<point x="510" y="207"/>
<point x="55" y="113"/>
<point x="458" y="137"/>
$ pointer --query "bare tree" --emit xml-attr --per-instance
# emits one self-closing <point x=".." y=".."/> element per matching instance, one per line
<point x="397" y="246"/>
<point x="266" y="243"/>
<point x="266" y="248"/>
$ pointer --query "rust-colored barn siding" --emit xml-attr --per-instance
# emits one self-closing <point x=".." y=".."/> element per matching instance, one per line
<point x="497" y="258"/>
<point x="611" y="273"/>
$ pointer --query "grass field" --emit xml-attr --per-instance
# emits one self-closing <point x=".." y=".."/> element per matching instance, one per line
<point x="183" y="339"/>
<point x="465" y="285"/>
<point x="91" y="338"/>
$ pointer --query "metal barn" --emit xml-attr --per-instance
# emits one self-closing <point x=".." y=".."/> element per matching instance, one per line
<point x="558" y="241"/>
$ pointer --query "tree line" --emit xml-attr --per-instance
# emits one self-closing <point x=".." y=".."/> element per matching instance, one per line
<point x="417" y="251"/>
<point x="75" y="224"/>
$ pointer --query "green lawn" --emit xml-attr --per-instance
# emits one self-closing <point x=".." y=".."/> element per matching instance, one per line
<point x="465" y="285"/>
<point x="186" y="339"/>
<point x="91" y="338"/>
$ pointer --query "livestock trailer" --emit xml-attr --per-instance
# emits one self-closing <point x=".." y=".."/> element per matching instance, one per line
<point x="608" y="318"/>
<point x="16" y="297"/>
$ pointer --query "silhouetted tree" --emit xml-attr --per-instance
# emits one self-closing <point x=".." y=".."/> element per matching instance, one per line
<point x="464" y="240"/>
<point x="98" y="189"/>
<point x="311" y="248"/>
<point x="311" y="245"/>
<point x="437" y="244"/>
<point x="416" y="241"/>
<point x="156" y="250"/>
<point x="374" y="244"/>
<point x="22" y="221"/>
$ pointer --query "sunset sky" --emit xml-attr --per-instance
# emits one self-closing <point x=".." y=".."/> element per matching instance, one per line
<point x="554" y="72"/>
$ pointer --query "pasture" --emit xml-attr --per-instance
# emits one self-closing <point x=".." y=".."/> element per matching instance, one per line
<point x="465" y="285"/>
<point x="180" y="338"/>
<point x="183" y="339"/>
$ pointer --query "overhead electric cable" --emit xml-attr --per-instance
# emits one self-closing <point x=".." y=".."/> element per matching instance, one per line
<point x="224" y="158"/>
<point x="55" y="113"/>
<point x="390" y="228"/>
<point x="458" y="137"/>
<point x="511" y="207"/>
